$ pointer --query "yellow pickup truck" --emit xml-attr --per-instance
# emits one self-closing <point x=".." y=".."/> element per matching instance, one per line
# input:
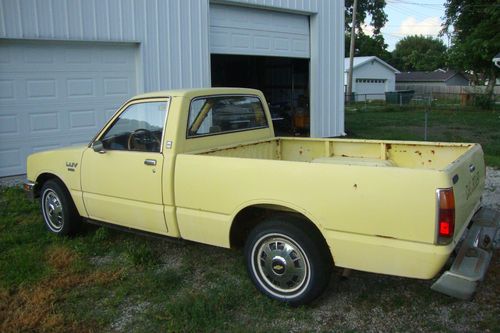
<point x="204" y="165"/>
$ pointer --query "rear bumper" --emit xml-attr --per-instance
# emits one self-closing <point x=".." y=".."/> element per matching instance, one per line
<point x="473" y="258"/>
<point x="29" y="189"/>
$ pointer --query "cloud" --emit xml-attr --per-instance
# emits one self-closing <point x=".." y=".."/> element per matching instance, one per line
<point x="427" y="27"/>
<point x="367" y="29"/>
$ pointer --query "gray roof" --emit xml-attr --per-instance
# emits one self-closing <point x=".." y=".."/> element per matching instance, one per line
<point x="436" y="76"/>
<point x="358" y="61"/>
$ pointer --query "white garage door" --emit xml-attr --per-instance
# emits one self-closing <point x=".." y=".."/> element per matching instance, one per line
<point x="370" y="89"/>
<point x="54" y="94"/>
<point x="249" y="31"/>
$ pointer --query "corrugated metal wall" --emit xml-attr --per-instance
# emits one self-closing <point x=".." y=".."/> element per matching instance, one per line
<point x="171" y="56"/>
<point x="173" y="37"/>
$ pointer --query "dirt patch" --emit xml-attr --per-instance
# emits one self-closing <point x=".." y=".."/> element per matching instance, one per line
<point x="60" y="257"/>
<point x="34" y="308"/>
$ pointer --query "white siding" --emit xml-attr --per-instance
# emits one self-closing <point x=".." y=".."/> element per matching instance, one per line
<point x="374" y="70"/>
<point x="174" y="40"/>
<point x="171" y="57"/>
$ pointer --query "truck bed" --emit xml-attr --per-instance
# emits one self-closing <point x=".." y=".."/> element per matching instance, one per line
<point x="434" y="156"/>
<point x="374" y="200"/>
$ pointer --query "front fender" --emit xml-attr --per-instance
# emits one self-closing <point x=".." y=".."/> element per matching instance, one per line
<point x="64" y="164"/>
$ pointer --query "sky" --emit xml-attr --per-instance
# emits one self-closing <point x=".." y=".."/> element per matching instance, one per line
<point x="411" y="17"/>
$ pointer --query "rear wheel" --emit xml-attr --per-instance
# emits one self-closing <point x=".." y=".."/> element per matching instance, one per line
<point x="287" y="260"/>
<point x="58" y="210"/>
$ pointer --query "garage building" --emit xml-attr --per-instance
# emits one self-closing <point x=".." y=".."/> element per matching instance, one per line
<point x="371" y="78"/>
<point x="67" y="65"/>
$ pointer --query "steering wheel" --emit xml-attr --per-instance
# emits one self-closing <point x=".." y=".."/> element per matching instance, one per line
<point x="141" y="136"/>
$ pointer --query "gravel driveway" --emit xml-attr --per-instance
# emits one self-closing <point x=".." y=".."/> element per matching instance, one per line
<point x="491" y="194"/>
<point x="12" y="181"/>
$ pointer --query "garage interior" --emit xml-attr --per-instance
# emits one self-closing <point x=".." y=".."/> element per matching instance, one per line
<point x="284" y="82"/>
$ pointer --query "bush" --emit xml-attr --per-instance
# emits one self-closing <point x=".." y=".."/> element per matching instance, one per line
<point x="483" y="101"/>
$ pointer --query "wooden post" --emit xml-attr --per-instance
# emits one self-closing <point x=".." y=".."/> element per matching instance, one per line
<point x="351" y="50"/>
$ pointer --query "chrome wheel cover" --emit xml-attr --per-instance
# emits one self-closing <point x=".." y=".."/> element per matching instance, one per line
<point x="280" y="265"/>
<point x="52" y="210"/>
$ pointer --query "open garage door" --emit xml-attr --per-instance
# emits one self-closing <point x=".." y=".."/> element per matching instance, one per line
<point x="284" y="82"/>
<point x="250" y="31"/>
<point x="265" y="50"/>
<point x="54" y="94"/>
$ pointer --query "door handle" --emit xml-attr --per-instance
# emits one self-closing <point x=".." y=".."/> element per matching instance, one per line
<point x="150" y="162"/>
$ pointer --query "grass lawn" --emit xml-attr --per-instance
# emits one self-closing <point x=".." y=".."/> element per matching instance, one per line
<point x="455" y="126"/>
<point x="108" y="281"/>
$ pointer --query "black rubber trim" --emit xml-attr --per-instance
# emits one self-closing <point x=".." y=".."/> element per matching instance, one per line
<point x="134" y="231"/>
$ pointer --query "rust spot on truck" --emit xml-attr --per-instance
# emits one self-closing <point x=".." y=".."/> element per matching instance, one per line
<point x="433" y="151"/>
<point x="355" y="186"/>
<point x="418" y="152"/>
<point x="235" y="147"/>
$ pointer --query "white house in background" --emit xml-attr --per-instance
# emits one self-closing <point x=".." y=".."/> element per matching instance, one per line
<point x="66" y="66"/>
<point x="371" y="78"/>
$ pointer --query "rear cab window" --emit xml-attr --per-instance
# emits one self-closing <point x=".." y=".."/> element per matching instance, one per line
<point x="213" y="115"/>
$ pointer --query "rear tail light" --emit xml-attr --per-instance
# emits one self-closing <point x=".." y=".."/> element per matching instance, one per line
<point x="446" y="215"/>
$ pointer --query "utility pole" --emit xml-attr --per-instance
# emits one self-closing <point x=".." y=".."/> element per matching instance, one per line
<point x="351" y="51"/>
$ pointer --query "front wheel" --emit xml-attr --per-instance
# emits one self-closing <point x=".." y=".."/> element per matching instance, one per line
<point x="58" y="210"/>
<point x="288" y="261"/>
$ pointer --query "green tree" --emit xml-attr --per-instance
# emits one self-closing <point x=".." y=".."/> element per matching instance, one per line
<point x="419" y="53"/>
<point x="374" y="8"/>
<point x="473" y="26"/>
<point x="368" y="46"/>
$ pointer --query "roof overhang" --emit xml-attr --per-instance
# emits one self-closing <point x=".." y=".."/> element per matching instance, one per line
<point x="370" y="59"/>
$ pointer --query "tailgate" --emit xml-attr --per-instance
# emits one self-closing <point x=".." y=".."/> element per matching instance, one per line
<point x="468" y="175"/>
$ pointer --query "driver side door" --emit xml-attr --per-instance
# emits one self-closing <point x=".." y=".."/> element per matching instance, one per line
<point x="122" y="182"/>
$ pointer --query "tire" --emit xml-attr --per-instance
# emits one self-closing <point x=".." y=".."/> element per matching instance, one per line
<point x="58" y="210"/>
<point x="288" y="260"/>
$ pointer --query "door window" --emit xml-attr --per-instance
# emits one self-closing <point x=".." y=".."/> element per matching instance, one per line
<point x="138" y="128"/>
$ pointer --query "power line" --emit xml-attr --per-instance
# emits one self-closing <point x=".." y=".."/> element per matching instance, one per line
<point x="407" y="12"/>
<point x="421" y="4"/>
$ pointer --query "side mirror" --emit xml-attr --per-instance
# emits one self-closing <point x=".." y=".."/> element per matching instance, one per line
<point x="98" y="147"/>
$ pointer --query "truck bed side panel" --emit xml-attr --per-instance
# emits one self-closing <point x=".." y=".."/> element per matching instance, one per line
<point x="388" y="202"/>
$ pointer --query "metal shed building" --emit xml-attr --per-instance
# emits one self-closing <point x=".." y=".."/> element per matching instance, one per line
<point x="67" y="65"/>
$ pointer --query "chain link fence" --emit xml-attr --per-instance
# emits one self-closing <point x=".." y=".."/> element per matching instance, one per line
<point x="410" y="100"/>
